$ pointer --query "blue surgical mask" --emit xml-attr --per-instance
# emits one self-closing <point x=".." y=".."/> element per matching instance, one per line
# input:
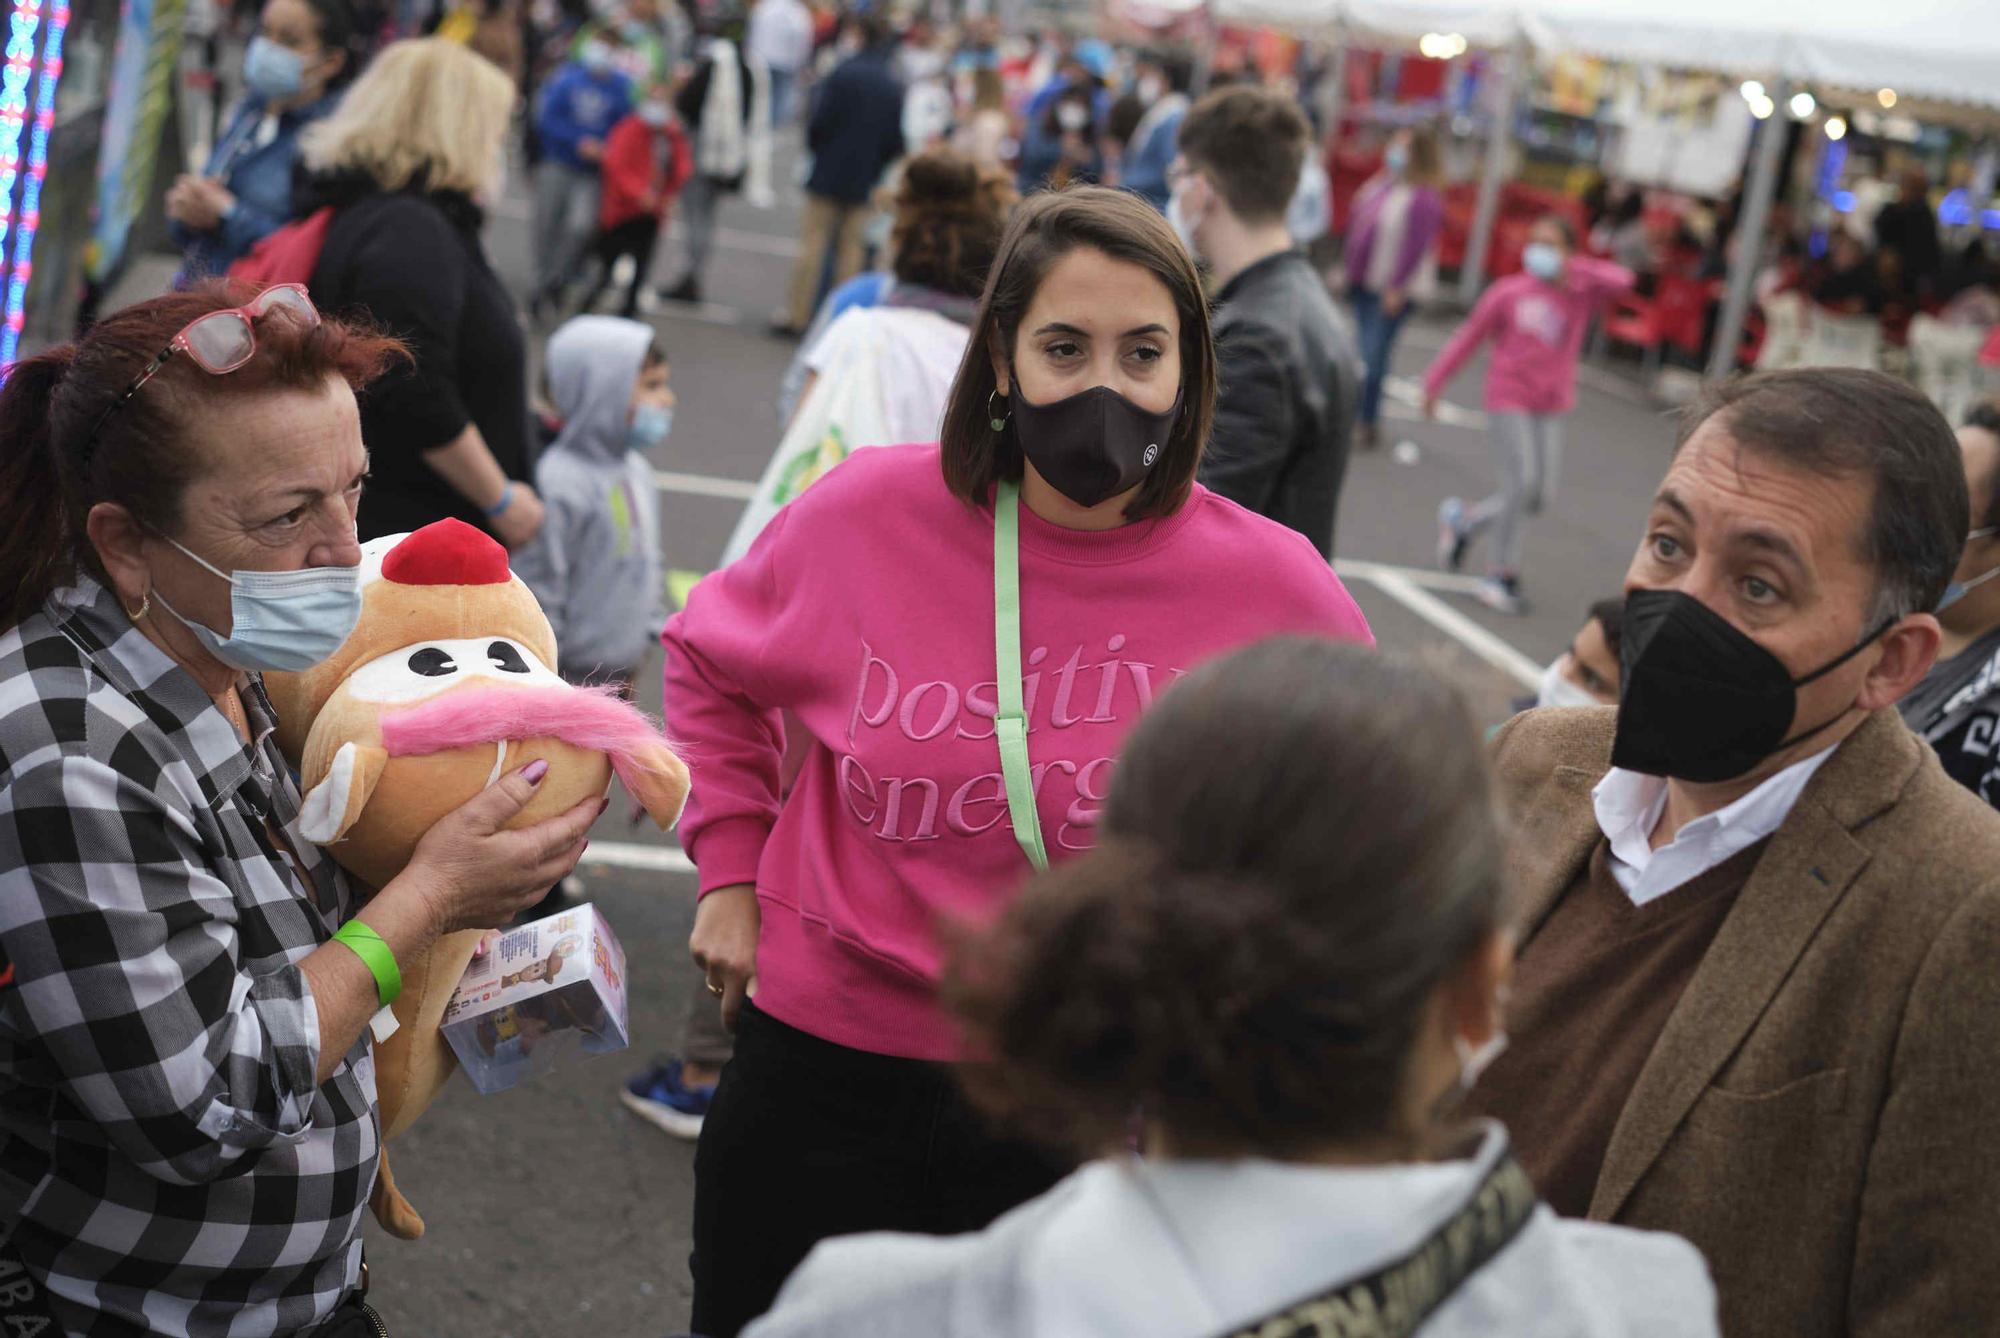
<point x="1958" y="590"/>
<point x="279" y="621"/>
<point x="596" y="57"/>
<point x="274" y="73"/>
<point x="1396" y="158"/>
<point x="650" y="425"/>
<point x="1543" y="261"/>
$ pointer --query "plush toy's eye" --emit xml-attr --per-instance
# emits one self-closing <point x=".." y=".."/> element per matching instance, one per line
<point x="432" y="663"/>
<point x="509" y="660"/>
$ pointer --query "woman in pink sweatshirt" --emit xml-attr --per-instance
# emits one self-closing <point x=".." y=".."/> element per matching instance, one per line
<point x="866" y="612"/>
<point x="1536" y="320"/>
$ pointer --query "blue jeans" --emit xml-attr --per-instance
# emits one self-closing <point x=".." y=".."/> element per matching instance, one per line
<point x="1378" y="338"/>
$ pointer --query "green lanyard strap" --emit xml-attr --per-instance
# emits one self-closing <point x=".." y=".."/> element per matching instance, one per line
<point x="1010" y="722"/>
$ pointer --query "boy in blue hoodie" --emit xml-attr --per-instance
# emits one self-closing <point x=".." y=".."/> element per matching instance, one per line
<point x="595" y="566"/>
<point x="578" y="107"/>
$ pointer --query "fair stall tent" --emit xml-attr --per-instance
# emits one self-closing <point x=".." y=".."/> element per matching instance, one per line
<point x="1943" y="50"/>
<point x="1940" y="53"/>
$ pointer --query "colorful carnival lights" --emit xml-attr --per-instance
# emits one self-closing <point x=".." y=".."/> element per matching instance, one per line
<point x="22" y="24"/>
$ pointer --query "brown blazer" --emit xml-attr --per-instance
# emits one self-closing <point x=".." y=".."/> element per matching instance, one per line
<point x="1819" y="1115"/>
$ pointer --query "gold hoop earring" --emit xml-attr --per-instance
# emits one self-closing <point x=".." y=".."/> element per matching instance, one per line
<point x="994" y="418"/>
<point x="145" y="607"/>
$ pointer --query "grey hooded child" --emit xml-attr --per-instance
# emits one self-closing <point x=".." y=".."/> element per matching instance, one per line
<point x="595" y="566"/>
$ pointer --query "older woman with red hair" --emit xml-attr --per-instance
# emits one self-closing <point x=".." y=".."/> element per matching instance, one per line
<point x="186" y="1075"/>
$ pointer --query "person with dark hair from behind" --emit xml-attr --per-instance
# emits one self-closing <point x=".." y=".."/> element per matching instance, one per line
<point x="1957" y="706"/>
<point x="1289" y="366"/>
<point x="1755" y="1003"/>
<point x="1586" y="674"/>
<point x="1280" y="967"/>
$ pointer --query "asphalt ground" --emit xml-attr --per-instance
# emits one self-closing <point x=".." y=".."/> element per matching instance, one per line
<point x="552" y="1209"/>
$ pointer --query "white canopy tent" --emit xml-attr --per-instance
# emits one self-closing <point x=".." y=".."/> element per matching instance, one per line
<point x="1945" y="50"/>
<point x="1934" y="51"/>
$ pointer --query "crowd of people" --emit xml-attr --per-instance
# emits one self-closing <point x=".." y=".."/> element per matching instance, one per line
<point x="1096" y="933"/>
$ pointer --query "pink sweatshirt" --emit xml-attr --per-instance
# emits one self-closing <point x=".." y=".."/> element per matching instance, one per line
<point x="1537" y="331"/>
<point x="866" y="610"/>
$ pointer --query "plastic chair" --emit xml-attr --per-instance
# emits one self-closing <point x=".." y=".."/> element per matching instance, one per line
<point x="1946" y="363"/>
<point x="1638" y="321"/>
<point x="1843" y="341"/>
<point x="1785" y="324"/>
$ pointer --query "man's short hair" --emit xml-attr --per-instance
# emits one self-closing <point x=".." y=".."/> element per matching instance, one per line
<point x="1839" y="420"/>
<point x="1609" y="615"/>
<point x="1251" y="143"/>
<point x="1985" y="416"/>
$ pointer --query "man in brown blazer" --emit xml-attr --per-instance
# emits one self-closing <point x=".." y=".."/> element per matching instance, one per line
<point x="1758" y="996"/>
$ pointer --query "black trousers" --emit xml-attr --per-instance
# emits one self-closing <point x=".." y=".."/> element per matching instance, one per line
<point x="808" y="1139"/>
<point x="635" y="237"/>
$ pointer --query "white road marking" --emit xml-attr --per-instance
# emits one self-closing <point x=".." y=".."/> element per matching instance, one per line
<point x="1397" y="584"/>
<point x="1408" y="391"/>
<point x="1408" y="586"/>
<point x="707" y="313"/>
<point x="1450" y="582"/>
<point x="705" y="485"/>
<point x="632" y="855"/>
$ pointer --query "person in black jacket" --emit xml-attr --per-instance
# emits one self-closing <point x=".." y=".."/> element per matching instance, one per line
<point x="856" y="131"/>
<point x="1288" y="362"/>
<point x="404" y="165"/>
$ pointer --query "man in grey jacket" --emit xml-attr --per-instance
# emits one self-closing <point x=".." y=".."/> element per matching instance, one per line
<point x="1286" y="357"/>
<point x="595" y="566"/>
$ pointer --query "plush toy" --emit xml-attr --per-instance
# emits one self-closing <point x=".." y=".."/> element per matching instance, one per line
<point x="446" y="683"/>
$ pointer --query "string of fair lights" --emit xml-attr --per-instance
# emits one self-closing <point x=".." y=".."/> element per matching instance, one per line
<point x="18" y="225"/>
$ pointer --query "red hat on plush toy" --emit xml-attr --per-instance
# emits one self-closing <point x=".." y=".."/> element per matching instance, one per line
<point x="445" y="581"/>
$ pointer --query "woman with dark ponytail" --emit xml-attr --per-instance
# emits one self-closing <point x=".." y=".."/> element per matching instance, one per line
<point x="186" y="1084"/>
<point x="1276" y="971"/>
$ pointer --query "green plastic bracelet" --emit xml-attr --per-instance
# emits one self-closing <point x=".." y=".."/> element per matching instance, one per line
<point x="366" y="944"/>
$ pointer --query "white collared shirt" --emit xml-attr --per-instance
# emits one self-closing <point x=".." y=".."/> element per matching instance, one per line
<point x="1628" y="808"/>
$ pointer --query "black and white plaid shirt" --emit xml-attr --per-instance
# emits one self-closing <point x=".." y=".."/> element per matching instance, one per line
<point x="167" y="1163"/>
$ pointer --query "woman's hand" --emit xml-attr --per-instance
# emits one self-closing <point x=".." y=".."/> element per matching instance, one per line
<point x="724" y="944"/>
<point x="476" y="875"/>
<point x="1394" y="300"/>
<point x="198" y="203"/>
<point x="522" y="520"/>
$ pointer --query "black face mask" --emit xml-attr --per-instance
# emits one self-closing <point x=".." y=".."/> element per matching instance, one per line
<point x="1701" y="701"/>
<point x="1093" y="445"/>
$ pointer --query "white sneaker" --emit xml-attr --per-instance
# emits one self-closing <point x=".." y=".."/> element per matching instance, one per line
<point x="1502" y="594"/>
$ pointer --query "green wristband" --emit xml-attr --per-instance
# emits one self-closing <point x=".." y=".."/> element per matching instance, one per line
<point x="366" y="944"/>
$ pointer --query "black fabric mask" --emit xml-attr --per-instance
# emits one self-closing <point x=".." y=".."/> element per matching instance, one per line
<point x="1700" y="700"/>
<point x="1094" y="444"/>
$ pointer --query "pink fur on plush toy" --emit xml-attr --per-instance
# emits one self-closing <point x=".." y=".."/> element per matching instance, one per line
<point x="596" y="718"/>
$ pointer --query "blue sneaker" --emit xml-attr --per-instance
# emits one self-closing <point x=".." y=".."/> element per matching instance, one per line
<point x="662" y="1098"/>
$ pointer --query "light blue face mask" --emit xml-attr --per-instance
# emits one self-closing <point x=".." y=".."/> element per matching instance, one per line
<point x="1543" y="261"/>
<point x="1958" y="590"/>
<point x="281" y="621"/>
<point x="273" y="72"/>
<point x="650" y="425"/>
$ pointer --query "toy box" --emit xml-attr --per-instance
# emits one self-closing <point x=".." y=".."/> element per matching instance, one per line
<point x="544" y="993"/>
